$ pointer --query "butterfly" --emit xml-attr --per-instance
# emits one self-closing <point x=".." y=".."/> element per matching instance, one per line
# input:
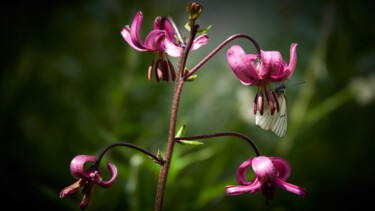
<point x="278" y="122"/>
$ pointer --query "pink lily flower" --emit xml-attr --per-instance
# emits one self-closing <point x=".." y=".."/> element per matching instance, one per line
<point x="266" y="177"/>
<point x="86" y="179"/>
<point x="161" y="41"/>
<point x="269" y="69"/>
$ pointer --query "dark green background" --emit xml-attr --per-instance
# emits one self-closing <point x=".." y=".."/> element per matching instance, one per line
<point x="71" y="85"/>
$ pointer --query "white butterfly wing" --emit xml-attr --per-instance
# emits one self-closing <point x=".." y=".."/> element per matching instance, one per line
<point x="266" y="121"/>
<point x="281" y="124"/>
<point x="278" y="122"/>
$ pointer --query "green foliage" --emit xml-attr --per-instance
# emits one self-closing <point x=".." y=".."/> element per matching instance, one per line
<point x="71" y="85"/>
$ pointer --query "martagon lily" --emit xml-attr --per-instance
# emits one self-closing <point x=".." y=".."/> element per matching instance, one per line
<point x="88" y="178"/>
<point x="270" y="68"/>
<point x="266" y="177"/>
<point x="161" y="41"/>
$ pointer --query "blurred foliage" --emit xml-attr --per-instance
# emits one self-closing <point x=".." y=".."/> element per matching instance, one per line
<point x="71" y="85"/>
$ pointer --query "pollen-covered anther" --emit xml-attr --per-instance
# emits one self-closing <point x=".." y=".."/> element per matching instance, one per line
<point x="270" y="102"/>
<point x="276" y="100"/>
<point x="255" y="103"/>
<point x="260" y="103"/>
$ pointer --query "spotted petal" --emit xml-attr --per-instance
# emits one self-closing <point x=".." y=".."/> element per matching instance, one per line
<point x="135" y="28"/>
<point x="200" y="41"/>
<point x="291" y="188"/>
<point x="242" y="65"/>
<point x="113" y="171"/>
<point x="264" y="169"/>
<point x="154" y="40"/>
<point x="286" y="72"/>
<point x="240" y="176"/>
<point x="236" y="190"/>
<point x="76" y="166"/>
<point x="283" y="168"/>
<point x="272" y="65"/>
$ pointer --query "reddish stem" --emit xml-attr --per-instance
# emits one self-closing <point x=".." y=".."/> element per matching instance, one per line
<point x="172" y="127"/>
<point x="218" y="48"/>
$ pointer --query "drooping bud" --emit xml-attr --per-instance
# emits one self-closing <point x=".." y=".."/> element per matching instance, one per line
<point x="187" y="142"/>
<point x="171" y="68"/>
<point x="255" y="103"/>
<point x="181" y="131"/>
<point x="186" y="72"/>
<point x="159" y="70"/>
<point x="150" y="70"/>
<point x="191" y="78"/>
<point x="270" y="100"/>
<point x="165" y="71"/>
<point x="276" y="100"/>
<point x="195" y="10"/>
<point x="260" y="103"/>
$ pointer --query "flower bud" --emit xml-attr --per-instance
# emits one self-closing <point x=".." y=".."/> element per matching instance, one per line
<point x="194" y="9"/>
<point x="181" y="131"/>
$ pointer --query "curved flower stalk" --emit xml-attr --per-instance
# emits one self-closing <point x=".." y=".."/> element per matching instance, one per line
<point x="270" y="69"/>
<point x="87" y="179"/>
<point x="162" y="41"/>
<point x="266" y="177"/>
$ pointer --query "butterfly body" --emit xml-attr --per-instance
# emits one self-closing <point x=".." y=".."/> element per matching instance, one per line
<point x="278" y="121"/>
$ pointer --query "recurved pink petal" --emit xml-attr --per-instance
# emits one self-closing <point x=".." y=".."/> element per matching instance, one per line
<point x="71" y="189"/>
<point x="76" y="165"/>
<point x="167" y="27"/>
<point x="154" y="40"/>
<point x="291" y="188"/>
<point x="200" y="41"/>
<point x="240" y="176"/>
<point x="135" y="28"/>
<point x="283" y="168"/>
<point x="126" y="35"/>
<point x="264" y="169"/>
<point x="242" y="66"/>
<point x="113" y="171"/>
<point x="272" y="64"/>
<point x="236" y="190"/>
<point x="171" y="48"/>
<point x="287" y="71"/>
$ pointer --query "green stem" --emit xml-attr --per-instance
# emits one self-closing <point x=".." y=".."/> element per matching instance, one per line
<point x="213" y="135"/>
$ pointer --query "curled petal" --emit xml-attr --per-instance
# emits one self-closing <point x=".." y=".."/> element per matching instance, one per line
<point x="236" y="190"/>
<point x="240" y="176"/>
<point x="288" y="71"/>
<point x="199" y="41"/>
<point x="272" y="65"/>
<point x="264" y="169"/>
<point x="135" y="28"/>
<point x="167" y="27"/>
<point x="71" y="188"/>
<point x="283" y="168"/>
<point x="242" y="66"/>
<point x="126" y="35"/>
<point x="113" y="171"/>
<point x="291" y="188"/>
<point x="171" y="48"/>
<point x="76" y="166"/>
<point x="154" y="40"/>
